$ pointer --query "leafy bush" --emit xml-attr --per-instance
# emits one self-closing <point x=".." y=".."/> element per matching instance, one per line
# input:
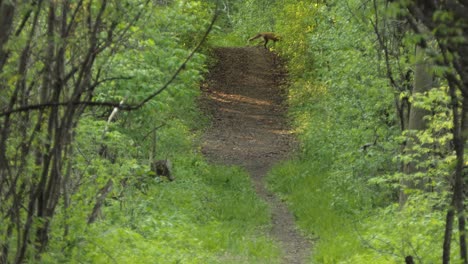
<point x="209" y="214"/>
<point x="345" y="181"/>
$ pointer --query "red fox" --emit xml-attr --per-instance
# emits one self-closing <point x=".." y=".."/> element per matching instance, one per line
<point x="266" y="37"/>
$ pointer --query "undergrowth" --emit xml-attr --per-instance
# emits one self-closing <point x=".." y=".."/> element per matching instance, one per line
<point x="343" y="185"/>
<point x="344" y="231"/>
<point x="209" y="214"/>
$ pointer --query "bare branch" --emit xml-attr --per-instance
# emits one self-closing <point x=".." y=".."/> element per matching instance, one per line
<point x="123" y="107"/>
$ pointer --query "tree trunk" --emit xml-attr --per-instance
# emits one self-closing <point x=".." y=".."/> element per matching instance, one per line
<point x="448" y="234"/>
<point x="422" y="83"/>
<point x="7" y="12"/>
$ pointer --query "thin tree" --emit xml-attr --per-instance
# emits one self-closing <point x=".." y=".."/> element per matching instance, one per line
<point x="448" y="21"/>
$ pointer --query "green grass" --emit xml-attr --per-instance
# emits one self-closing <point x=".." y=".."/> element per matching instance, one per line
<point x="346" y="231"/>
<point x="308" y="196"/>
<point x="210" y="214"/>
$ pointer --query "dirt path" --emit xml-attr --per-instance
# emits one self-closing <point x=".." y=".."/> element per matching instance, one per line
<point x="249" y="129"/>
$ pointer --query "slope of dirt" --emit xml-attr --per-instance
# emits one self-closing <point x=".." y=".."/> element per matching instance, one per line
<point x="249" y="129"/>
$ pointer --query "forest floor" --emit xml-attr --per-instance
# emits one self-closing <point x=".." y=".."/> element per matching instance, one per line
<point x="244" y="96"/>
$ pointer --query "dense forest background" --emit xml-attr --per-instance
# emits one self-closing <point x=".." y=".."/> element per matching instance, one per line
<point x="92" y="93"/>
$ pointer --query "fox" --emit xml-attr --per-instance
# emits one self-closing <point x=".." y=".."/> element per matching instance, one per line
<point x="266" y="37"/>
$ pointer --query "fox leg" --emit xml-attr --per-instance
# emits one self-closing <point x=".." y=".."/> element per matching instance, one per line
<point x="266" y="42"/>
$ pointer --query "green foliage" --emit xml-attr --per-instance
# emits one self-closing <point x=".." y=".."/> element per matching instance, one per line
<point x="346" y="231"/>
<point x="342" y="186"/>
<point x="350" y="118"/>
<point x="209" y="214"/>
<point x="296" y="44"/>
<point x="346" y="179"/>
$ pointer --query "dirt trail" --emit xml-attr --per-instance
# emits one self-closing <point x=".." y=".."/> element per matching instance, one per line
<point x="249" y="129"/>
